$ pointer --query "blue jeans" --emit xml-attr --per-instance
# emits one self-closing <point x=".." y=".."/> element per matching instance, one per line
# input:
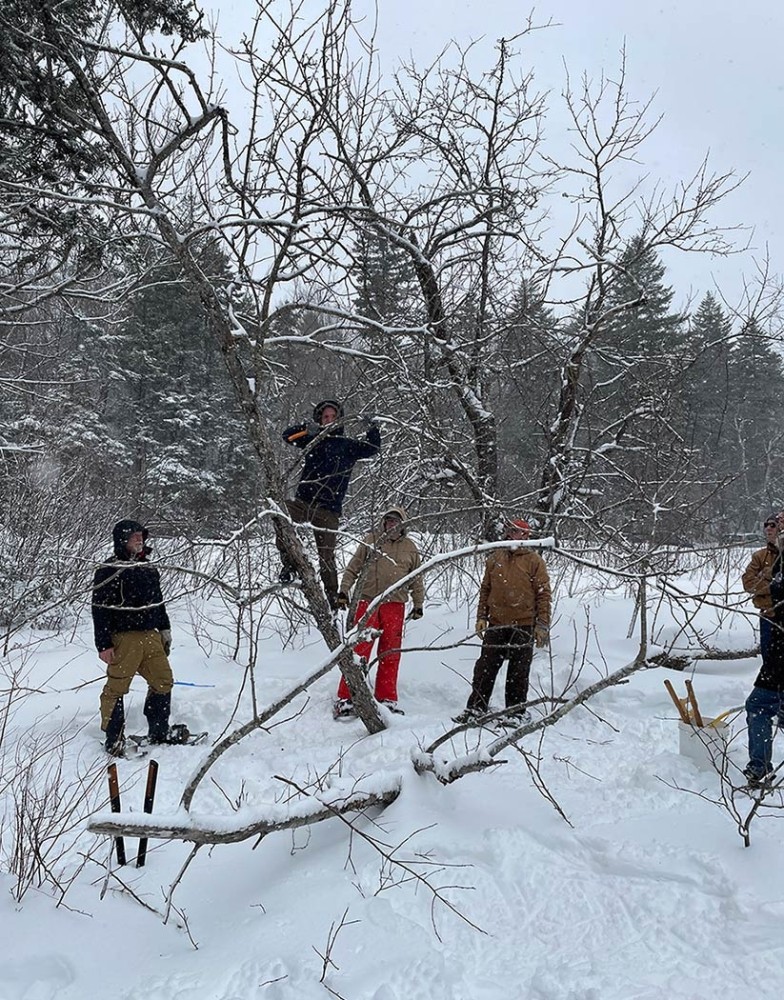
<point x="761" y="706"/>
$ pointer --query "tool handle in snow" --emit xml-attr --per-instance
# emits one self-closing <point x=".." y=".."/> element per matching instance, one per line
<point x="114" y="799"/>
<point x="677" y="701"/>
<point x="149" y="801"/>
<point x="694" y="706"/>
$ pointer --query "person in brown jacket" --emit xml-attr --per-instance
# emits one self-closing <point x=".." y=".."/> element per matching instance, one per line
<point x="757" y="576"/>
<point x="383" y="558"/>
<point x="513" y="614"/>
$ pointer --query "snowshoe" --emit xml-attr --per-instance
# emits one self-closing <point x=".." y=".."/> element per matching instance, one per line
<point x="124" y="749"/>
<point x="468" y="717"/>
<point x="344" y="710"/>
<point x="177" y="735"/>
<point x="513" y="720"/>
<point x="393" y="707"/>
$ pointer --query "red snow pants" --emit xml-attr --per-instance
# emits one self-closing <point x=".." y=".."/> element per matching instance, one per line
<point x="388" y="619"/>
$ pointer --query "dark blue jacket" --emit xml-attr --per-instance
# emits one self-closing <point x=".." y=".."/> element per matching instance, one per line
<point x="126" y="593"/>
<point x="329" y="464"/>
<point x="771" y="676"/>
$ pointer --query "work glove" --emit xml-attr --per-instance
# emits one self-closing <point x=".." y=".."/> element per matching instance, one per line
<point x="416" y="614"/>
<point x="541" y="637"/>
<point x="481" y="625"/>
<point x="343" y="600"/>
<point x="313" y="428"/>
<point x="166" y="640"/>
<point x="367" y="420"/>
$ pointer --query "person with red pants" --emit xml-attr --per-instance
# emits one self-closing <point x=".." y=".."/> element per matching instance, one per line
<point x="383" y="558"/>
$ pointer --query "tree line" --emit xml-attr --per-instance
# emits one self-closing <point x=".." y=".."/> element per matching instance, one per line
<point x="179" y="280"/>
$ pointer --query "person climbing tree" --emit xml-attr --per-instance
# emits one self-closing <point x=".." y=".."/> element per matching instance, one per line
<point x="330" y="458"/>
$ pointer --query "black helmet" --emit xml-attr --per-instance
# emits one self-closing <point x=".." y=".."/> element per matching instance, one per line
<point x="319" y="408"/>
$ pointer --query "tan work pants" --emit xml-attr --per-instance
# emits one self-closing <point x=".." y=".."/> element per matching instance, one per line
<point x="135" y="653"/>
<point x="325" y="526"/>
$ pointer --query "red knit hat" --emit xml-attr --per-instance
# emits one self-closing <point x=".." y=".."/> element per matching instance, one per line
<point x="521" y="524"/>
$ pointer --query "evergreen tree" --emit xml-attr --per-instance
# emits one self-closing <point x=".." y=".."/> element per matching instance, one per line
<point x="706" y="380"/>
<point x="383" y="280"/>
<point x="755" y="428"/>
<point x="647" y="339"/>
<point x="522" y="380"/>
<point x="168" y="398"/>
<point x="631" y="435"/>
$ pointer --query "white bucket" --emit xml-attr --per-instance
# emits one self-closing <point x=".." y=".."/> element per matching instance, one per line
<point x="705" y="745"/>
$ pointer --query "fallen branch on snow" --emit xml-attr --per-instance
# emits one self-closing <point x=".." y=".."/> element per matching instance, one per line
<point x="221" y="830"/>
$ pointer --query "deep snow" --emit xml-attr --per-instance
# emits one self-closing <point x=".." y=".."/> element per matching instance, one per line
<point x="647" y="891"/>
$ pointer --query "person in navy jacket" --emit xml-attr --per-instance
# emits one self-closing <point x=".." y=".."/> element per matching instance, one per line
<point x="330" y="458"/>
<point x="132" y="635"/>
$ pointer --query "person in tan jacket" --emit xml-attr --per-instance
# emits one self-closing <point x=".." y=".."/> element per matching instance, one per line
<point x="513" y="614"/>
<point x="383" y="558"/>
<point x="757" y="576"/>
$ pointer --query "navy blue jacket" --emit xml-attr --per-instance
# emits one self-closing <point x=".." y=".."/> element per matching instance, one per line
<point x="328" y="465"/>
<point x="771" y="676"/>
<point x="126" y="595"/>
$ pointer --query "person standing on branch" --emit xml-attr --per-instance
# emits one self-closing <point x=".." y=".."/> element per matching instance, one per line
<point x="132" y="635"/>
<point x="382" y="560"/>
<point x="764" y="580"/>
<point x="330" y="458"/>
<point x="757" y="575"/>
<point x="513" y="614"/>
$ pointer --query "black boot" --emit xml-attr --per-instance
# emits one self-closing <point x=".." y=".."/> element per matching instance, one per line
<point x="115" y="730"/>
<point x="157" y="708"/>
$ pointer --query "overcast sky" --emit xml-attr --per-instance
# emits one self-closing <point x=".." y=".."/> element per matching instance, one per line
<point x="716" y="67"/>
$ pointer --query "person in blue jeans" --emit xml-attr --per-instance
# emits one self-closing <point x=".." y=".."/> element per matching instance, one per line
<point x="766" y="701"/>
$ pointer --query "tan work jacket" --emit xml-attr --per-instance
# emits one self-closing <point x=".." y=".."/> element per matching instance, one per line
<point x="380" y="564"/>
<point x="515" y="589"/>
<point x="756" y="578"/>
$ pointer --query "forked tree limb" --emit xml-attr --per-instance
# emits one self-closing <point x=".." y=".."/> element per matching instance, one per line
<point x="447" y="771"/>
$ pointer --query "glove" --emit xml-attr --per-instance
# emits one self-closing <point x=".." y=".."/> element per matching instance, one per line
<point x="541" y="637"/>
<point x="343" y="600"/>
<point x="313" y="428"/>
<point x="481" y="625"/>
<point x="777" y="587"/>
<point x="166" y="640"/>
<point x="416" y="614"/>
<point x="367" y="420"/>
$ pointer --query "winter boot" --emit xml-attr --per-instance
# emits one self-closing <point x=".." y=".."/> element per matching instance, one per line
<point x="157" y="708"/>
<point x="756" y="780"/>
<point x="115" y="730"/>
<point x="286" y="575"/>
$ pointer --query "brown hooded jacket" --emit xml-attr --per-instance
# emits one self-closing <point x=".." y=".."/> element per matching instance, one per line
<point x="381" y="562"/>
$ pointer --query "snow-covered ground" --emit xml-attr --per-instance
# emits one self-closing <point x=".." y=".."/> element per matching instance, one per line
<point x="640" y="890"/>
